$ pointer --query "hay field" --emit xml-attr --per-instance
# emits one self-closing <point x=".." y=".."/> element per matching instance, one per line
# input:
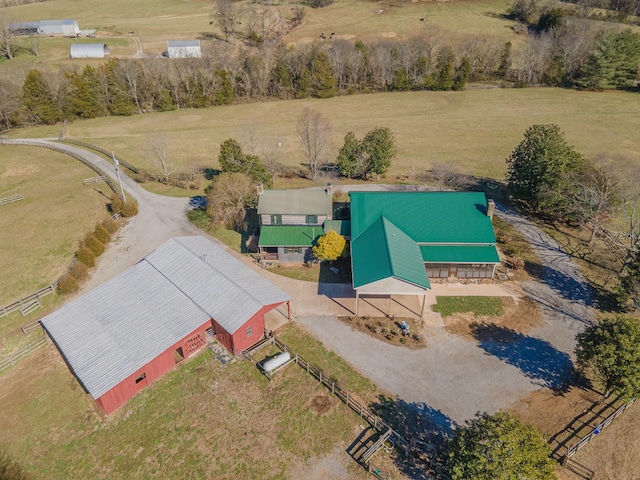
<point x="473" y="130"/>
<point x="41" y="233"/>
<point x="153" y="23"/>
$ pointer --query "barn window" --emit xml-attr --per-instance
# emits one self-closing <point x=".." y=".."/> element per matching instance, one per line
<point x="312" y="219"/>
<point x="249" y="331"/>
<point x="293" y="250"/>
<point x="141" y="378"/>
<point x="276" y="219"/>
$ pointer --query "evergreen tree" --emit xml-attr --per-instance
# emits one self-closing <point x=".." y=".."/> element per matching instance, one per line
<point x="444" y="78"/>
<point x="323" y="83"/>
<point x="350" y="157"/>
<point x="610" y="349"/>
<point x="462" y="75"/>
<point x="224" y="94"/>
<point x="303" y="83"/>
<point x="84" y="101"/>
<point x="614" y="61"/>
<point x="380" y="146"/>
<point x="499" y="447"/>
<point x="38" y="99"/>
<point x="233" y="160"/>
<point x="538" y="163"/>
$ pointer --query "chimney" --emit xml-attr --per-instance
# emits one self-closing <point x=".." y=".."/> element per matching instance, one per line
<point x="260" y="189"/>
<point x="491" y="206"/>
<point x="329" y="189"/>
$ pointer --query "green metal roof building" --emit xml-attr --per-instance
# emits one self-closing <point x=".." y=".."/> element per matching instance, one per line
<point x="401" y="239"/>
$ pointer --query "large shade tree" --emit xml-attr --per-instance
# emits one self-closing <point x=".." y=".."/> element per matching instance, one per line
<point x="609" y="349"/>
<point x="539" y="163"/>
<point x="229" y="197"/>
<point x="499" y="447"/>
<point x="367" y="157"/>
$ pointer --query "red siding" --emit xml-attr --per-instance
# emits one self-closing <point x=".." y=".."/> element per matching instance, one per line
<point x="156" y="368"/>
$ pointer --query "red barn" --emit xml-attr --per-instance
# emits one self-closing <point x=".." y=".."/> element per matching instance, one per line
<point x="127" y="333"/>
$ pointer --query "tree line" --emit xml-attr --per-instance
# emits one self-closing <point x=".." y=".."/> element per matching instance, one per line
<point x="574" y="53"/>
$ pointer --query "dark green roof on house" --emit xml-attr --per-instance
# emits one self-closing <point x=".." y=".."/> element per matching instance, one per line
<point x="459" y="254"/>
<point x="383" y="251"/>
<point x="289" y="236"/>
<point x="426" y="217"/>
<point x="394" y="233"/>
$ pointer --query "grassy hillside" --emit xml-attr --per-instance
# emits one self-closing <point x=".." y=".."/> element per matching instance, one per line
<point x="41" y="233"/>
<point x="153" y="23"/>
<point x="473" y="130"/>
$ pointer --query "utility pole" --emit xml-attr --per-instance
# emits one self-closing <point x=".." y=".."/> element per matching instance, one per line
<point x="116" y="163"/>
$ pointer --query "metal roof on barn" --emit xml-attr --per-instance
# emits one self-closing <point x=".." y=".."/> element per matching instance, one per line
<point x="111" y="332"/>
<point x="294" y="202"/>
<point x="88" y="50"/>
<point x="183" y="43"/>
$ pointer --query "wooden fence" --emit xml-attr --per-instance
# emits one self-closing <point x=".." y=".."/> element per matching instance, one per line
<point x="18" y="355"/>
<point x="573" y="449"/>
<point x="77" y="156"/>
<point x="89" y="181"/>
<point x="374" y="420"/>
<point x="104" y="152"/>
<point x="13" y="198"/>
<point x="25" y="303"/>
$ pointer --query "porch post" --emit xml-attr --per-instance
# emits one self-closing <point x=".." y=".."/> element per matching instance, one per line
<point x="289" y="310"/>
<point x="389" y="307"/>
<point x="424" y="302"/>
<point x="356" y="303"/>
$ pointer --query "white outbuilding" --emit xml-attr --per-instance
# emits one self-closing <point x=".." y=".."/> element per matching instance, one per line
<point x="88" y="50"/>
<point x="59" y="27"/>
<point x="184" y="49"/>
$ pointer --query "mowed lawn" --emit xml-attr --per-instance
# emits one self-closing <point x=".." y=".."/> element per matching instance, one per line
<point x="202" y="420"/>
<point x="473" y="131"/>
<point x="40" y="234"/>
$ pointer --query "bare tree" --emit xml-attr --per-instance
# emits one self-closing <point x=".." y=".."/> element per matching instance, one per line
<point x="35" y="44"/>
<point x="271" y="159"/>
<point x="228" y="199"/>
<point x="250" y="136"/>
<point x="227" y="15"/>
<point x="313" y="131"/>
<point x="128" y="72"/>
<point x="445" y="176"/>
<point x="9" y="104"/>
<point x="298" y="14"/>
<point x="533" y="59"/>
<point x="7" y="42"/>
<point x="161" y="160"/>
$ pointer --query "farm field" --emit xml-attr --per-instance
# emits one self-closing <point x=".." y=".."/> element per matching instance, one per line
<point x="473" y="131"/>
<point x="202" y="420"/>
<point x="41" y="233"/>
<point x="154" y="24"/>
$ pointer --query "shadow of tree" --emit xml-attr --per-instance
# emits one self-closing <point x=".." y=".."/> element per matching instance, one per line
<point x="426" y="428"/>
<point x="536" y="358"/>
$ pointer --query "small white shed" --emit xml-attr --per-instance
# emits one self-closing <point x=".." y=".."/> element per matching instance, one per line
<point x="184" y="49"/>
<point x="88" y="50"/>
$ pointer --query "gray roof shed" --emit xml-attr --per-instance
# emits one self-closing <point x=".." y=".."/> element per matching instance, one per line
<point x="184" y="49"/>
<point x="59" y="27"/>
<point x="88" y="50"/>
<point x="294" y="202"/>
<point x="112" y="331"/>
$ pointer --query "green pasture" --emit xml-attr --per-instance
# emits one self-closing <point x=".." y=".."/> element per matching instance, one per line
<point x="202" y="420"/>
<point x="473" y="131"/>
<point x="41" y="233"/>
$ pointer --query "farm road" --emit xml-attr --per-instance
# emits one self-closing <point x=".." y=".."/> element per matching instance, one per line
<point x="159" y="219"/>
<point x="448" y="381"/>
